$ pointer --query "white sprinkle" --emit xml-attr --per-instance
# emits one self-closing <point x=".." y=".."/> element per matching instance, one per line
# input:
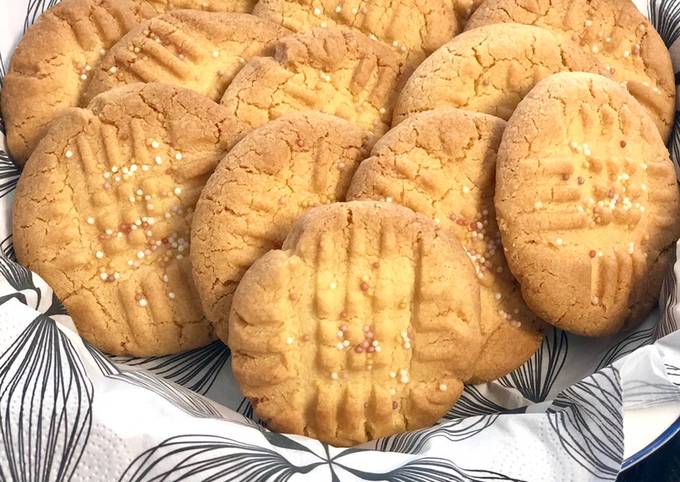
<point x="109" y="231"/>
<point x="346" y="343"/>
<point x="103" y="276"/>
<point x="90" y="220"/>
<point x="317" y="11"/>
<point x="333" y="285"/>
<point x="155" y="144"/>
<point x="595" y="300"/>
<point x="395" y="43"/>
<point x="131" y="199"/>
<point x="498" y="296"/>
<point x="388" y="199"/>
<point x="117" y="178"/>
<point x="289" y="340"/>
<point x="334" y="376"/>
<point x="393" y="375"/>
<point x="559" y="242"/>
<point x="130" y="262"/>
<point x="83" y="76"/>
<point x="382" y="110"/>
<point x="159" y="160"/>
<point x="589" y="23"/>
<point x="171" y="295"/>
<point x="466" y="189"/>
<point x="145" y="167"/>
<point x="142" y="302"/>
<point x="178" y="156"/>
<point x="643" y="187"/>
<point x="443" y="387"/>
<point x="113" y="69"/>
<point x="631" y="248"/>
<point x="323" y="24"/>
<point x="538" y="205"/>
<point x="595" y="49"/>
<point x="338" y="9"/>
<point x="216" y="53"/>
<point x="355" y="10"/>
<point x="586" y="150"/>
<point x="178" y="191"/>
<point x="626" y="53"/>
<point x="140" y="254"/>
<point x="69" y="154"/>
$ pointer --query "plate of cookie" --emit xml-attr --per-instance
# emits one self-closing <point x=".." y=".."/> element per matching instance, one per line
<point x="338" y="240"/>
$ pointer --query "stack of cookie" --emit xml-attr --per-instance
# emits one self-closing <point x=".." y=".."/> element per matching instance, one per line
<point x="368" y="206"/>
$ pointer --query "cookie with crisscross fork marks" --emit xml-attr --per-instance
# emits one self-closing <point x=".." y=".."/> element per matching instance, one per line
<point x="334" y="70"/>
<point x="53" y="63"/>
<point x="614" y="31"/>
<point x="103" y="209"/>
<point x="201" y="51"/>
<point x="587" y="203"/>
<point x="412" y="27"/>
<point x="489" y="70"/>
<point x="258" y="191"/>
<point x="364" y="324"/>
<point x="442" y="163"/>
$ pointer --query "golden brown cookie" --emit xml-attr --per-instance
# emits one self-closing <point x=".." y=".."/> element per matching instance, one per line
<point x="614" y="31"/>
<point x="489" y="70"/>
<point x="587" y="204"/>
<point x="364" y="324"/>
<point x="103" y="209"/>
<point x="53" y="62"/>
<point x="442" y="163"/>
<point x="412" y="27"/>
<point x="333" y="70"/>
<point x="258" y="191"/>
<point x="198" y="50"/>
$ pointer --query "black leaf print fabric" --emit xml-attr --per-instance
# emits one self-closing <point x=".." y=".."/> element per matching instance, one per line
<point x="45" y="405"/>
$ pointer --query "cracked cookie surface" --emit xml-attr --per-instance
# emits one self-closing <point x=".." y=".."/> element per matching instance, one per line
<point x="587" y="204"/>
<point x="412" y="27"/>
<point x="489" y="70"/>
<point x="364" y="324"/>
<point x="103" y="209"/>
<point x="614" y="31"/>
<point x="201" y="51"/>
<point x="258" y="191"/>
<point x="53" y="63"/>
<point x="335" y="70"/>
<point x="442" y="163"/>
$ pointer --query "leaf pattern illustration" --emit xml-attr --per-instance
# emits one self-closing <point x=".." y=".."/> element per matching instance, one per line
<point x="179" y="396"/>
<point x="629" y="344"/>
<point x="588" y="419"/>
<point x="9" y="174"/>
<point x="431" y="469"/>
<point x="455" y="430"/>
<point x="473" y="403"/>
<point x="536" y="377"/>
<point x="210" y="458"/>
<point x="669" y="299"/>
<point x="45" y="405"/>
<point x="665" y="16"/>
<point x="35" y="8"/>
<point x="196" y="369"/>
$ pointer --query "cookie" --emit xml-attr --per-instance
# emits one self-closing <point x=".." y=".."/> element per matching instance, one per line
<point x="415" y="28"/>
<point x="442" y="164"/>
<point x="614" y="31"/>
<point x="333" y="70"/>
<point x="103" y="209"/>
<point x="489" y="70"/>
<point x="587" y="204"/>
<point x="258" y="191"/>
<point x="53" y="62"/>
<point x="198" y="50"/>
<point x="364" y="324"/>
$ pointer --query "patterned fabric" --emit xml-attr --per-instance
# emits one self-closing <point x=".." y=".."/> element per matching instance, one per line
<point x="69" y="412"/>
